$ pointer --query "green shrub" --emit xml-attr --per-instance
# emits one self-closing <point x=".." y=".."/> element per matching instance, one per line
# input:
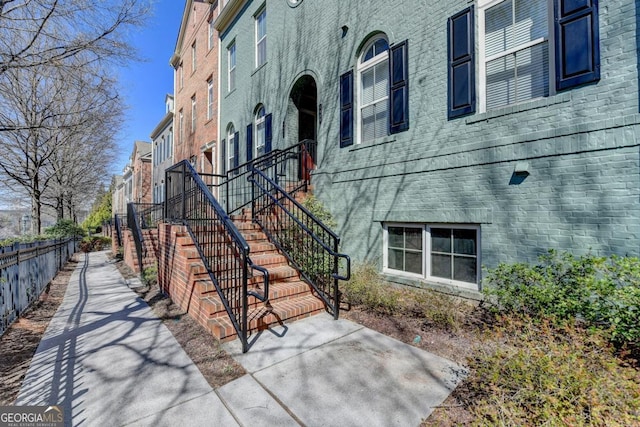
<point x="64" y="228"/>
<point x="150" y="275"/>
<point x="604" y="292"/>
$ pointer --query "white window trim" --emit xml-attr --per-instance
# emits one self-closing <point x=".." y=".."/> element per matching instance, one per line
<point x="210" y="96"/>
<point x="231" y="130"/>
<point x="483" y="5"/>
<point x="211" y="38"/>
<point x="385" y="251"/>
<point x="231" y="69"/>
<point x="257" y="121"/>
<point x="426" y="253"/>
<point x="358" y="82"/>
<point x="260" y="12"/>
<point x="193" y="114"/>
<point x="193" y="57"/>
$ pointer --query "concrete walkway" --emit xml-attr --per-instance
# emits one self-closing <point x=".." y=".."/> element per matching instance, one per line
<point x="107" y="360"/>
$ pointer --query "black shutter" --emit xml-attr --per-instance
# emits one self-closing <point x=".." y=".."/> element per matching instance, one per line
<point x="577" y="43"/>
<point x="236" y="150"/>
<point x="346" y="109"/>
<point x="268" y="133"/>
<point x="399" y="88"/>
<point x="462" y="80"/>
<point x="249" y="142"/>
<point x="223" y="153"/>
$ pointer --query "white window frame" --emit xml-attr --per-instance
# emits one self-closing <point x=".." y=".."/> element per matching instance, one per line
<point x="231" y="66"/>
<point x="210" y="96"/>
<point x="181" y="124"/>
<point x="231" y="130"/>
<point x="211" y="38"/>
<point x="426" y="253"/>
<point x="362" y="67"/>
<point x="193" y="114"/>
<point x="170" y="143"/>
<point x="483" y="5"/>
<point x="193" y="57"/>
<point x="181" y="75"/>
<point x="259" y="120"/>
<point x="261" y="15"/>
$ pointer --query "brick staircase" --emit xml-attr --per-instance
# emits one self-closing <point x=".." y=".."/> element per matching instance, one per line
<point x="190" y="286"/>
<point x="150" y="249"/>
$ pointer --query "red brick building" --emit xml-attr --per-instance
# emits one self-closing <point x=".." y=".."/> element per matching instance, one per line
<point x="195" y="63"/>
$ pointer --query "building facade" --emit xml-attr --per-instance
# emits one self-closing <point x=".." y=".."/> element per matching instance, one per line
<point x="137" y="176"/>
<point x="451" y="135"/>
<point x="162" y="154"/>
<point x="195" y="63"/>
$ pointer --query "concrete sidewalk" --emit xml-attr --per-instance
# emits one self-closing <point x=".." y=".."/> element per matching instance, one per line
<point x="107" y="360"/>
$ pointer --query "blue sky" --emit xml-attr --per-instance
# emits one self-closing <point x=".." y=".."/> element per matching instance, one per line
<point x="145" y="84"/>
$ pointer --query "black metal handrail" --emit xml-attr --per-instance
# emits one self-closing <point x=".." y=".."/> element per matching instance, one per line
<point x="289" y="168"/>
<point x="117" y="221"/>
<point x="150" y="214"/>
<point x="223" y="250"/>
<point x="133" y="220"/>
<point x="308" y="243"/>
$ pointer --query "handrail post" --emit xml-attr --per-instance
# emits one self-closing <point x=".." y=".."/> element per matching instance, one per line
<point x="245" y="306"/>
<point x="184" y="192"/>
<point x="336" y="292"/>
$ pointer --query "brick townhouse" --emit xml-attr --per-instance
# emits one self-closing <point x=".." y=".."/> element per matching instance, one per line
<point x="451" y="135"/>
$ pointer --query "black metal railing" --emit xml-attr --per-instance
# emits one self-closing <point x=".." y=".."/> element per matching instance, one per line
<point x="118" y="224"/>
<point x="149" y="214"/>
<point x="133" y="220"/>
<point x="25" y="271"/>
<point x="289" y="168"/>
<point x="223" y="250"/>
<point x="310" y="246"/>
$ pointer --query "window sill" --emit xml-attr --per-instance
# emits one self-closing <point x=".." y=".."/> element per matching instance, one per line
<point x="469" y="292"/>
<point x="518" y="108"/>
<point x="375" y="143"/>
<point x="259" y="68"/>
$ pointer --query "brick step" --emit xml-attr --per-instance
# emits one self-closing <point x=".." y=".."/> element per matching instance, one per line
<point x="263" y="317"/>
<point x="243" y="225"/>
<point x="254" y="236"/>
<point x="280" y="291"/>
<point x="266" y="260"/>
<point x="258" y="247"/>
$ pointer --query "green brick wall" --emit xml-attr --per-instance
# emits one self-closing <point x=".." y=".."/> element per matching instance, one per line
<point x="581" y="146"/>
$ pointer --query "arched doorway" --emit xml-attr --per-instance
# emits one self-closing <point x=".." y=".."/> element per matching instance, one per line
<point x="304" y="102"/>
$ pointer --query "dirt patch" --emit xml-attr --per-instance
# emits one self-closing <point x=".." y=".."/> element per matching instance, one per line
<point x="20" y="342"/>
<point x="215" y="364"/>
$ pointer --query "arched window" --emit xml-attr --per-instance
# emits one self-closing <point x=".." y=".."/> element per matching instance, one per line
<point x="373" y="89"/>
<point x="259" y="126"/>
<point x="232" y="144"/>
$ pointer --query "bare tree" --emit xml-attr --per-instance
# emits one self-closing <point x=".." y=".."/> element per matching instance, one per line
<point x="64" y="140"/>
<point x="34" y="33"/>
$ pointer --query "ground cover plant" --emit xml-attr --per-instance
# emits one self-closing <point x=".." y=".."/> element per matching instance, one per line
<point x="554" y="343"/>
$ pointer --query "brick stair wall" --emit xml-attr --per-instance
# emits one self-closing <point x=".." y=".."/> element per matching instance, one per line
<point x="183" y="276"/>
<point x="150" y="256"/>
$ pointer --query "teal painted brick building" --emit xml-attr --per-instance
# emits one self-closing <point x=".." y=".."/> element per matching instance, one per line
<point x="450" y="134"/>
